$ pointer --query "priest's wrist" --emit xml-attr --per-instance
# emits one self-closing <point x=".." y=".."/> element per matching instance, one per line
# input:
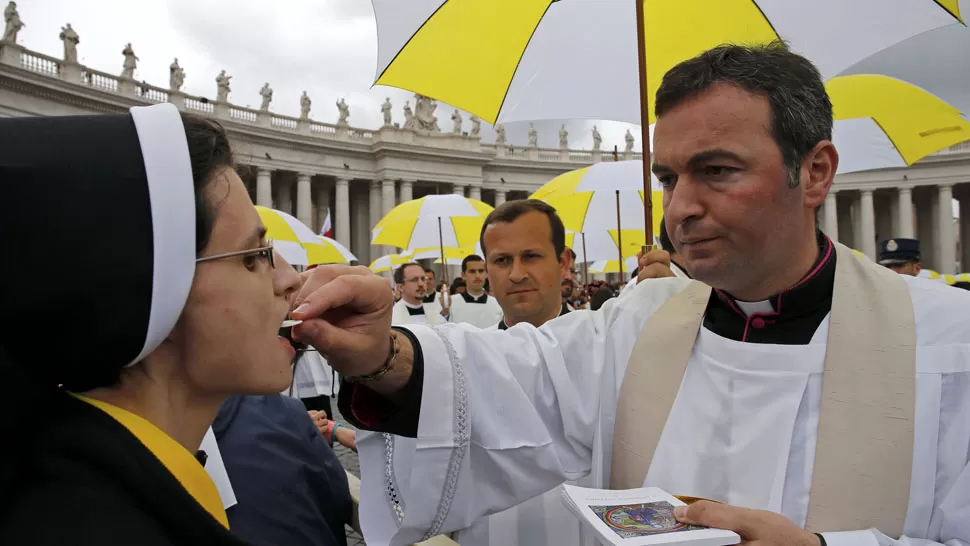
<point x="390" y="378"/>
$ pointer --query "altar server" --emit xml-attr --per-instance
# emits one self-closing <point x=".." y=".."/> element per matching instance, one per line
<point x="411" y="308"/>
<point x="171" y="300"/>
<point x="474" y="306"/>
<point x="821" y="397"/>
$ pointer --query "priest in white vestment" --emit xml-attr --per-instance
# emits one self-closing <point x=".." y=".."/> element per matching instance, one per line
<point x="411" y="308"/>
<point x="474" y="306"/>
<point x="822" y="398"/>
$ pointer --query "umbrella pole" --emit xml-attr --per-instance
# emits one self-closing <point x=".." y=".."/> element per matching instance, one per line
<point x="585" y="263"/>
<point x="619" y="234"/>
<point x="441" y="241"/>
<point x="644" y="130"/>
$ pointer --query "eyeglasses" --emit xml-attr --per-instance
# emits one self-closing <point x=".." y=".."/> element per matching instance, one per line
<point x="265" y="253"/>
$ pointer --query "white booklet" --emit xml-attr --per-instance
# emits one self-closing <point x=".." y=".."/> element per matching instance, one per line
<point x="638" y="517"/>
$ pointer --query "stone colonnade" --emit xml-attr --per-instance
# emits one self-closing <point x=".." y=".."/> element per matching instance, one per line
<point x="355" y="206"/>
<point x="860" y="218"/>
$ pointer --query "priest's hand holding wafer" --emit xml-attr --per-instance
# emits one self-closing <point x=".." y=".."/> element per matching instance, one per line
<point x="346" y="314"/>
<point x="654" y="265"/>
<point x="756" y="527"/>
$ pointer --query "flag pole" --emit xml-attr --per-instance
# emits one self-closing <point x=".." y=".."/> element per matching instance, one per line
<point x="644" y="130"/>
<point x="619" y="234"/>
<point x="585" y="263"/>
<point x="441" y="241"/>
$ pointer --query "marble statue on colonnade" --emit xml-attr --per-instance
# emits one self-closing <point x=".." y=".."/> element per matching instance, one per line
<point x="386" y="111"/>
<point x="267" y="93"/>
<point x="533" y="136"/>
<point x="344" y="110"/>
<point x="131" y="62"/>
<point x="476" y="125"/>
<point x="500" y="134"/>
<point x="13" y="23"/>
<point x="629" y="141"/>
<point x="222" y="87"/>
<point x="305" y="104"/>
<point x="456" y="122"/>
<point x="424" y="108"/>
<point x="597" y="139"/>
<point x="409" y="121"/>
<point x="563" y="138"/>
<point x="71" y="40"/>
<point x="176" y="76"/>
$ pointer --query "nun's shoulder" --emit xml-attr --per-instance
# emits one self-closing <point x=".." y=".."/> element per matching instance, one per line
<point x="942" y="312"/>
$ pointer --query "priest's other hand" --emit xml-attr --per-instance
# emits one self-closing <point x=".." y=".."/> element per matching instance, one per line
<point x="346" y="314"/>
<point x="654" y="265"/>
<point x="756" y="527"/>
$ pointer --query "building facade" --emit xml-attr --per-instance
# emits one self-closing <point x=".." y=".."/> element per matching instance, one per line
<point x="308" y="168"/>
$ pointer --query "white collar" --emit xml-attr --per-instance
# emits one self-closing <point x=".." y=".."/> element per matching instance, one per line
<point x="412" y="306"/>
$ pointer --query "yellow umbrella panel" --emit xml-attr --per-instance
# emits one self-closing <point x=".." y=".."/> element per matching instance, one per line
<point x="415" y="224"/>
<point x="884" y="122"/>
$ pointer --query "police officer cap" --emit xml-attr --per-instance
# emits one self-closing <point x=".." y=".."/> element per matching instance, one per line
<point x="898" y="251"/>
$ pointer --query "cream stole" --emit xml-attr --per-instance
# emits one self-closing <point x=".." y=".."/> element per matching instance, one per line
<point x="864" y="454"/>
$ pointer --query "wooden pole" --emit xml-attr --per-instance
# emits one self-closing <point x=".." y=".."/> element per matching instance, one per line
<point x="645" y="127"/>
<point x="619" y="234"/>
<point x="441" y="242"/>
<point x="585" y="264"/>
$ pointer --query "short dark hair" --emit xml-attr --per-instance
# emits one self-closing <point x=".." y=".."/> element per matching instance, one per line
<point x="469" y="259"/>
<point x="429" y="270"/>
<point x="800" y="107"/>
<point x="399" y="272"/>
<point x="510" y="211"/>
<point x="665" y="242"/>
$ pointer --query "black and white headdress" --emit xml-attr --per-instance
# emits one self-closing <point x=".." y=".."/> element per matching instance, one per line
<point x="99" y="228"/>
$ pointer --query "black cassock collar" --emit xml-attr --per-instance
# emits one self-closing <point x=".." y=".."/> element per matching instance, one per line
<point x="562" y="311"/>
<point x="471" y="299"/>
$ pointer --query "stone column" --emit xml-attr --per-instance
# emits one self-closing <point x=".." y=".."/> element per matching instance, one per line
<point x="459" y="190"/>
<point x="905" y="199"/>
<point x="948" y="243"/>
<point x="830" y="216"/>
<point x="868" y="219"/>
<point x="499" y="197"/>
<point x="407" y="191"/>
<point x="375" y="213"/>
<point x="264" y="188"/>
<point x="965" y="231"/>
<point x="323" y="205"/>
<point x="284" y="200"/>
<point x="475" y="192"/>
<point x="343" y="212"/>
<point x="387" y="195"/>
<point x="304" y="203"/>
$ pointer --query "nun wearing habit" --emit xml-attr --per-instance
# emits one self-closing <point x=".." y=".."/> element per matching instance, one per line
<point x="133" y="247"/>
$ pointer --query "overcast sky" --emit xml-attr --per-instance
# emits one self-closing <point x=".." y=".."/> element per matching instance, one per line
<point x="329" y="49"/>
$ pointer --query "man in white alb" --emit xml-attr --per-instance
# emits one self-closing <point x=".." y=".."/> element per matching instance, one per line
<point x="411" y="308"/>
<point x="474" y="306"/>
<point x="524" y="243"/>
<point x="822" y="398"/>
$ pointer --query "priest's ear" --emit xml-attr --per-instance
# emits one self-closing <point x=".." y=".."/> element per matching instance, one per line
<point x="817" y="173"/>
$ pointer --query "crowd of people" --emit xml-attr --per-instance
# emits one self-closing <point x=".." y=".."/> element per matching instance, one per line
<point x="819" y="398"/>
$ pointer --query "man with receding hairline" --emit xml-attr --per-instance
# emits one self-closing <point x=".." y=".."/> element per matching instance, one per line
<point x="820" y="398"/>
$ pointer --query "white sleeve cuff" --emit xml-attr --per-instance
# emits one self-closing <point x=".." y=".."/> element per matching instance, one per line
<point x="851" y="538"/>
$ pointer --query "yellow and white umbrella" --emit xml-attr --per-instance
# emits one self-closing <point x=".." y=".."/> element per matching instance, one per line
<point x="613" y="266"/>
<point x="449" y="221"/>
<point x="390" y="262"/>
<point x="450" y="50"/>
<point x="586" y="200"/>
<point x="882" y="122"/>
<point x="333" y="253"/>
<point x="297" y="243"/>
